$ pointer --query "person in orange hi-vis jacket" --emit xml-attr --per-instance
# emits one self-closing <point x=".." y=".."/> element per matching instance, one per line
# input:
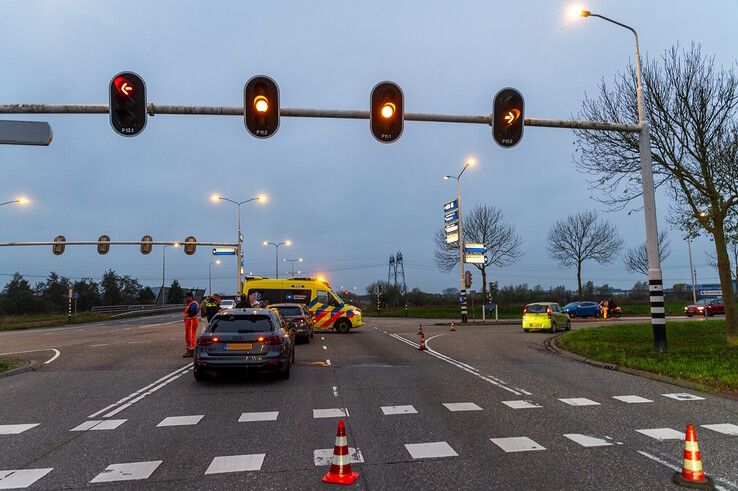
<point x="190" y="323"/>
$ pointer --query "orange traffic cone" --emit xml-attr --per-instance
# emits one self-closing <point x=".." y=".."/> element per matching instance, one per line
<point x="692" y="475"/>
<point x="422" y="341"/>
<point x="420" y="329"/>
<point x="453" y="327"/>
<point x="340" y="472"/>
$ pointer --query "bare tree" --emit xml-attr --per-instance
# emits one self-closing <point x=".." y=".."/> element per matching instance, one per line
<point x="580" y="238"/>
<point x="731" y="240"/>
<point x="485" y="225"/>
<point x="636" y="258"/>
<point x="693" y="109"/>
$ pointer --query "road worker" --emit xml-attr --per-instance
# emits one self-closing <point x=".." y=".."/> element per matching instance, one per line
<point x="190" y="323"/>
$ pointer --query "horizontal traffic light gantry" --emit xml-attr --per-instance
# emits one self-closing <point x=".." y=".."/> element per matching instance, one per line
<point x="127" y="104"/>
<point x="508" y="117"/>
<point x="387" y="112"/>
<point x="261" y="106"/>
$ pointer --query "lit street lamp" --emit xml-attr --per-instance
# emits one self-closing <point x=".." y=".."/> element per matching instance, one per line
<point x="276" y="253"/>
<point x="462" y="289"/>
<point x="163" y="268"/>
<point x="655" y="281"/>
<point x="210" y="275"/>
<point x="293" y="261"/>
<point x="239" y="238"/>
<point x="21" y="201"/>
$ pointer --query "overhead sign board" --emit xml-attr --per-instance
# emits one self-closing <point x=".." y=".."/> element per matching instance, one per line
<point x="224" y="251"/>
<point x="452" y="217"/>
<point x="474" y="258"/>
<point x="25" y="133"/>
<point x="451" y="206"/>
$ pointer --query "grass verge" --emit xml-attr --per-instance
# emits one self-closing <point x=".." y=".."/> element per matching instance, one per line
<point x="9" y="364"/>
<point x="19" y="322"/>
<point x="698" y="351"/>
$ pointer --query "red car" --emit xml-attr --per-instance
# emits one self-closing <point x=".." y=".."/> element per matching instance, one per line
<point x="706" y="306"/>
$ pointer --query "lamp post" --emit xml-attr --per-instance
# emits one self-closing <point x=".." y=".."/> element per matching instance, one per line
<point x="655" y="281"/>
<point x="164" y="268"/>
<point x="462" y="284"/>
<point x="21" y="201"/>
<point x="210" y="275"/>
<point x="293" y="261"/>
<point x="276" y="253"/>
<point x="239" y="237"/>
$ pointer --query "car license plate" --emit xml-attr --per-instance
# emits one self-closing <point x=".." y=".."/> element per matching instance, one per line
<point x="238" y="346"/>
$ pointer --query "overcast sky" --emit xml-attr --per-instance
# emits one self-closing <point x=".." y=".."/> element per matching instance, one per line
<point x="346" y="201"/>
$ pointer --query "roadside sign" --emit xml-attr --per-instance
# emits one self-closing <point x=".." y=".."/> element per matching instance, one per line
<point x="224" y="251"/>
<point x="472" y="248"/>
<point x="75" y="296"/>
<point x="452" y="217"/>
<point x="449" y="229"/>
<point x="25" y="133"/>
<point x="451" y="206"/>
<point x="711" y="293"/>
<point x="453" y="237"/>
<point x="474" y="258"/>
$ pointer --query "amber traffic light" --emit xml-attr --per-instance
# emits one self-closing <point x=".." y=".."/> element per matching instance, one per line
<point x="127" y="104"/>
<point x="387" y="112"/>
<point x="261" y="106"/>
<point x="508" y="117"/>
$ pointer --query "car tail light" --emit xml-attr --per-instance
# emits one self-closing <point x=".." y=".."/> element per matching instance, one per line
<point x="269" y="340"/>
<point x="206" y="340"/>
<point x="548" y="312"/>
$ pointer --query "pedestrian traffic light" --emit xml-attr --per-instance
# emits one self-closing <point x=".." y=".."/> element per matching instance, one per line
<point x="190" y="244"/>
<point x="261" y="106"/>
<point x="146" y="244"/>
<point x="387" y="114"/>
<point x="467" y="279"/>
<point x="127" y="104"/>
<point x="102" y="244"/>
<point x="58" y="247"/>
<point x="508" y="117"/>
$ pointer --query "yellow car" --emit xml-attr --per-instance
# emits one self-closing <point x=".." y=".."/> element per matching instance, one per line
<point x="326" y="308"/>
<point x="545" y="315"/>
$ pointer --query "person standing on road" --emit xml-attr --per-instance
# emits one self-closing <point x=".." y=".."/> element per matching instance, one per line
<point x="210" y="307"/>
<point x="190" y="324"/>
<point x="243" y="302"/>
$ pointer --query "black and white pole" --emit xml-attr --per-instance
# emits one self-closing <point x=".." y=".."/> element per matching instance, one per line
<point x="69" y="309"/>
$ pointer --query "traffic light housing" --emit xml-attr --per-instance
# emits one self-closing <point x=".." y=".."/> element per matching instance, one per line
<point x="190" y="245"/>
<point x="127" y="104"/>
<point x="387" y="113"/>
<point x="58" y="247"/>
<point x="261" y="106"/>
<point x="146" y="244"/>
<point x="508" y="116"/>
<point x="102" y="246"/>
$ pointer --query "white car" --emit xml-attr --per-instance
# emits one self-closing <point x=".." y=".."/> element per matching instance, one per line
<point x="227" y="304"/>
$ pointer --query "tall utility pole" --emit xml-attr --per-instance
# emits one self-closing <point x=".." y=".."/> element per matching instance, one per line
<point x="164" y="269"/>
<point x="462" y="283"/>
<point x="691" y="267"/>
<point x="276" y="253"/>
<point x="239" y="236"/>
<point x="293" y="261"/>
<point x="655" y="281"/>
<point x="210" y="275"/>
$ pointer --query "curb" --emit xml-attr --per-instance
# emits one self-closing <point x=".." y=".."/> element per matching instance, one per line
<point x="550" y="344"/>
<point x="33" y="365"/>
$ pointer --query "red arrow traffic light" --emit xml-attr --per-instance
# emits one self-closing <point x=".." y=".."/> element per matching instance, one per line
<point x="127" y="104"/>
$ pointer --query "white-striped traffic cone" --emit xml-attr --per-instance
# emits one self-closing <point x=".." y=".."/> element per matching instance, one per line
<point x="340" y="471"/>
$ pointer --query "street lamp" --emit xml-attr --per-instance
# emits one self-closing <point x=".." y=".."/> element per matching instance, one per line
<point x="293" y="261"/>
<point x="655" y="281"/>
<point x="691" y="235"/>
<point x="276" y="253"/>
<point x="21" y="201"/>
<point x="239" y="237"/>
<point x="462" y="289"/>
<point x="163" y="268"/>
<point x="210" y="275"/>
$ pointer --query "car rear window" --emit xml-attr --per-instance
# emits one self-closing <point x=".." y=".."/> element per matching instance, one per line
<point x="536" y="309"/>
<point x="289" y="311"/>
<point x="241" y="323"/>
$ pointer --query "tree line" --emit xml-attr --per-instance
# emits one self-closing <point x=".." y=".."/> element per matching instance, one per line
<point x="52" y="295"/>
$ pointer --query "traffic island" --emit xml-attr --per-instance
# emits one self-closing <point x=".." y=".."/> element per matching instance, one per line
<point x="698" y="356"/>
<point x="11" y="366"/>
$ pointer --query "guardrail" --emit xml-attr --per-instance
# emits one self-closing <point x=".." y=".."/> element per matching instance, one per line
<point x="167" y="309"/>
<point x="116" y="309"/>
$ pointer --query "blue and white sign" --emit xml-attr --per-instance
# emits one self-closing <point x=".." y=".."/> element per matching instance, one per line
<point x="472" y="248"/>
<point x="451" y="206"/>
<point x="452" y="217"/>
<point x="75" y="296"/>
<point x="224" y="251"/>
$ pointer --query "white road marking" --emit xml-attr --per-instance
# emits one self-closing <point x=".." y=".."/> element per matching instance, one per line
<point x="322" y="338"/>
<point x="328" y="362"/>
<point x="520" y="404"/>
<point x="99" y="425"/>
<point x="458" y="364"/>
<point x="181" y="420"/>
<point x="98" y="345"/>
<point x="662" y="434"/>
<point x="127" y="472"/>
<point x="22" y="478"/>
<point x="517" y="444"/>
<point x="676" y="468"/>
<point x="587" y="441"/>
<point x="164" y="380"/>
<point x="335" y="391"/>
<point x="262" y="416"/>
<point x="580" y="401"/>
<point x="324" y="456"/>
<point x="683" y="396"/>
<point x="461" y="406"/>
<point x="430" y="450"/>
<point x="56" y="353"/>
<point x="236" y="463"/>
<point x="632" y="399"/>
<point x="325" y="347"/>
<point x="136" y="342"/>
<point x="725" y="428"/>
<point x="389" y="410"/>
<point x="330" y="413"/>
<point x="16" y="429"/>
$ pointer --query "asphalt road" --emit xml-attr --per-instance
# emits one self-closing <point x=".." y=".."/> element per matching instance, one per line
<point x="485" y="407"/>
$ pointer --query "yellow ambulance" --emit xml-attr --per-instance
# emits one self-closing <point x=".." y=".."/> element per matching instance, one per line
<point x="326" y="308"/>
